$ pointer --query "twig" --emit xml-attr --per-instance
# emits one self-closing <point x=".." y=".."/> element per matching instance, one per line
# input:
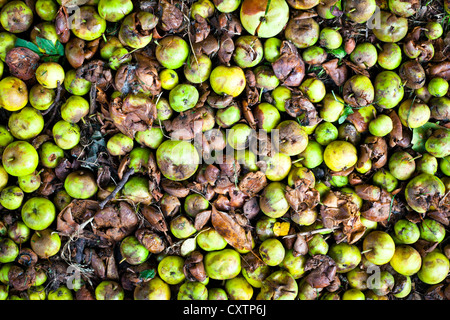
<point x="119" y="187"/>
<point x="310" y="233"/>
<point x="59" y="90"/>
<point x="93" y="98"/>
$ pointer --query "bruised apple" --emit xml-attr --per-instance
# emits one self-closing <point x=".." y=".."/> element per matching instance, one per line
<point x="265" y="18"/>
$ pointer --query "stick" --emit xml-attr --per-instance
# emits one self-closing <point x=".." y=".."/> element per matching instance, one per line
<point x="119" y="187"/>
<point x="59" y="90"/>
<point x="309" y="233"/>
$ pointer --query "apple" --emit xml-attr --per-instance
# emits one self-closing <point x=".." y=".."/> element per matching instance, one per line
<point x="81" y="184"/>
<point x="62" y="293"/>
<point x="50" y="75"/>
<point x="66" y="134"/>
<point x="114" y="10"/>
<point x="20" y="158"/>
<point x="4" y="177"/>
<point x="227" y="6"/>
<point x="5" y="137"/>
<point x="264" y="18"/>
<point x="75" y="85"/>
<point x="109" y="290"/>
<point x="50" y="154"/>
<point x="9" y="250"/>
<point x="13" y="93"/>
<point x="92" y="25"/>
<point x="40" y="97"/>
<point x="19" y="232"/>
<point x="406" y="260"/>
<point x="38" y="213"/>
<point x="378" y="247"/>
<point x="11" y="197"/>
<point x="435" y="267"/>
<point x="30" y="182"/>
<point x="227" y="80"/>
<point x="26" y="123"/>
<point x="74" y="109"/>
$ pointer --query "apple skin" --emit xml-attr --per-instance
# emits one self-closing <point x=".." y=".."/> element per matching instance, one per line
<point x="20" y="158"/>
<point x="66" y="134"/>
<point x="13" y="93"/>
<point x="38" y="213"/>
<point x="276" y="17"/>
<point x="227" y="80"/>
<point x="114" y="10"/>
<point x="380" y="247"/>
<point x="406" y="260"/>
<point x="50" y="154"/>
<point x="81" y="184"/>
<point x="45" y="243"/>
<point x="50" y="75"/>
<point x="26" y="123"/>
<point x="435" y="267"/>
<point x="11" y="197"/>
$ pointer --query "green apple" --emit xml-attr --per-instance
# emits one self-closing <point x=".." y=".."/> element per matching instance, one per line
<point x="66" y="134"/>
<point x="119" y="144"/>
<point x="40" y="97"/>
<point x="50" y="75"/>
<point x="13" y="93"/>
<point x="7" y="42"/>
<point x="226" y="80"/>
<point x="264" y="18"/>
<point x="38" y="213"/>
<point x="378" y="247"/>
<point x="46" y="9"/>
<point x="74" y="109"/>
<point x="26" y="123"/>
<point x="50" y="154"/>
<point x="172" y="52"/>
<point x="62" y="293"/>
<point x="109" y="290"/>
<point x="5" y="137"/>
<point x="16" y="16"/>
<point x="20" y="158"/>
<point x="435" y="267"/>
<point x="75" y="85"/>
<point x="114" y="10"/>
<point x="92" y="25"/>
<point x="406" y="260"/>
<point x="30" y="182"/>
<point x="81" y="184"/>
<point x="4" y="177"/>
<point x="11" y="197"/>
<point x="9" y="250"/>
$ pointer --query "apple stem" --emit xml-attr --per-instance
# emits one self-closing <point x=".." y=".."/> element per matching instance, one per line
<point x="365" y="251"/>
<point x="412" y="159"/>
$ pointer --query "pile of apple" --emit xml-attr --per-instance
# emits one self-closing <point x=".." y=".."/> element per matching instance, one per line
<point x="114" y="120"/>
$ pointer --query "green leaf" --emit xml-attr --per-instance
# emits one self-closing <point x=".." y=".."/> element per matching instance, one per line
<point x="28" y="44"/>
<point x="147" y="274"/>
<point x="421" y="134"/>
<point x="49" y="47"/>
<point x="347" y="111"/>
<point x="338" y="53"/>
<point x="50" y="58"/>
